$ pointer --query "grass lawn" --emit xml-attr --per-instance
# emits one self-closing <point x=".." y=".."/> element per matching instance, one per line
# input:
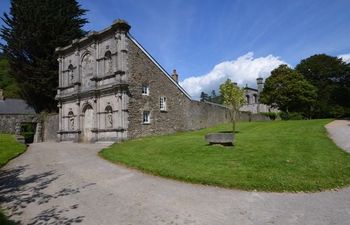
<point x="9" y="149"/>
<point x="268" y="156"/>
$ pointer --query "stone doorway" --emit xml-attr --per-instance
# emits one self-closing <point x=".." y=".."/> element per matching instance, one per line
<point x="88" y="124"/>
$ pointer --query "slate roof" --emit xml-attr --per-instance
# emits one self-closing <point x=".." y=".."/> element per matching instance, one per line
<point x="15" y="106"/>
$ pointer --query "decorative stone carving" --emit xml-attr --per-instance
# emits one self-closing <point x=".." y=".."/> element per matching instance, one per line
<point x="87" y="68"/>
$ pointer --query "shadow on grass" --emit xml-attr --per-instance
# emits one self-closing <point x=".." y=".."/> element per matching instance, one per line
<point x="18" y="192"/>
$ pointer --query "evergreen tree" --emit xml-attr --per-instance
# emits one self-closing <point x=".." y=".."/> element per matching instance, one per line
<point x="32" y="31"/>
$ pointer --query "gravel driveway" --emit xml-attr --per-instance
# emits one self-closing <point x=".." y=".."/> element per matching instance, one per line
<point x="65" y="183"/>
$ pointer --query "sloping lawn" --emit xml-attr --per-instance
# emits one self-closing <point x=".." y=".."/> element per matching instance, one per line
<point x="268" y="156"/>
<point x="9" y="149"/>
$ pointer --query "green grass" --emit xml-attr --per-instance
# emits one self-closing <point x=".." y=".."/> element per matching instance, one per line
<point x="268" y="156"/>
<point x="9" y="149"/>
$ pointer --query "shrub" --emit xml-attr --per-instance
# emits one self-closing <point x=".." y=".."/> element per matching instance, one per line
<point x="271" y="115"/>
<point x="291" y="116"/>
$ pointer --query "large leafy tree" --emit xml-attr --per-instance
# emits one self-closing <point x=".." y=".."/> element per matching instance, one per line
<point x="331" y="76"/>
<point x="288" y="90"/>
<point x="233" y="97"/>
<point x="32" y="31"/>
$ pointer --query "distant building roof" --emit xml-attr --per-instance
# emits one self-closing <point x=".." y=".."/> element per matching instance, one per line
<point x="15" y="106"/>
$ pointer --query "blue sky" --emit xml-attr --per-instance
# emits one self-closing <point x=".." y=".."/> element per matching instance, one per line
<point x="237" y="39"/>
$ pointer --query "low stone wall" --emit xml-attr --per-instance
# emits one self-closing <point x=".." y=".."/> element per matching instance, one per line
<point x="8" y="121"/>
<point x="50" y="127"/>
<point x="246" y="116"/>
<point x="200" y="115"/>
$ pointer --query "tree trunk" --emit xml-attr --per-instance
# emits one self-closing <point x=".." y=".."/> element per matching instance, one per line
<point x="234" y="121"/>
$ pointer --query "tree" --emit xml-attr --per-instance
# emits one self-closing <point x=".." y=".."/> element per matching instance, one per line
<point x="330" y="75"/>
<point x="204" y="97"/>
<point x="234" y="98"/>
<point x="288" y="90"/>
<point x="32" y="31"/>
<point x="7" y="82"/>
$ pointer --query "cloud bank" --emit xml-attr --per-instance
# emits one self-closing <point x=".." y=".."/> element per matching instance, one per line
<point x="345" y="57"/>
<point x="243" y="70"/>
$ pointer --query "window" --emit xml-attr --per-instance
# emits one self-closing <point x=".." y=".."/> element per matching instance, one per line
<point x="248" y="99"/>
<point x="162" y="103"/>
<point x="145" y="90"/>
<point x="146" y="117"/>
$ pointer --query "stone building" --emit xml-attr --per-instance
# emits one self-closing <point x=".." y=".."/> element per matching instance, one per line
<point x="253" y="103"/>
<point x="110" y="89"/>
<point x="13" y="113"/>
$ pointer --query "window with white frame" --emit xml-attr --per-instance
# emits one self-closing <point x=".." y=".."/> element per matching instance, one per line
<point x="162" y="103"/>
<point x="146" y="117"/>
<point x="145" y="90"/>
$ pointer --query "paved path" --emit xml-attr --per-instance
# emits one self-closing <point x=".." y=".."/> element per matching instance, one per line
<point x="69" y="184"/>
<point x="339" y="131"/>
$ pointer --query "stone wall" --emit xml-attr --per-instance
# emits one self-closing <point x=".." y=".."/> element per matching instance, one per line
<point x="142" y="71"/>
<point x="181" y="113"/>
<point x="8" y="121"/>
<point x="247" y="117"/>
<point x="200" y="115"/>
<point x="50" y="127"/>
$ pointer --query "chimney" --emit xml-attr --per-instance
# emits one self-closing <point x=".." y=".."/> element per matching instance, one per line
<point x="260" y="83"/>
<point x="175" y="76"/>
<point x="1" y="95"/>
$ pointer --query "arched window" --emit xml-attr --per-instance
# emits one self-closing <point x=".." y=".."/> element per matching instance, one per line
<point x="71" y="125"/>
<point x="108" y="63"/>
<point x="248" y="99"/>
<point x="70" y="74"/>
<point x="109" y="117"/>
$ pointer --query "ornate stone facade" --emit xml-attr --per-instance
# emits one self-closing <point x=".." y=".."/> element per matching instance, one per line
<point x="253" y="103"/>
<point x="111" y="89"/>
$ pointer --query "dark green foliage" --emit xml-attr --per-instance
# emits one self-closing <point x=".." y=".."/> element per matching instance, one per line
<point x="291" y="116"/>
<point x="271" y="115"/>
<point x="287" y="90"/>
<point x="28" y="131"/>
<point x="7" y="82"/>
<point x="211" y="98"/>
<point x="331" y="76"/>
<point x="5" y="221"/>
<point x="32" y="31"/>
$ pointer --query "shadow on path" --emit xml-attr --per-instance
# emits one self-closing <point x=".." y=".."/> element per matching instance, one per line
<point x="17" y="192"/>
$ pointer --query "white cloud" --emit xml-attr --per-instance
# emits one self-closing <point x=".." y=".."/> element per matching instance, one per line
<point x="345" y="57"/>
<point x="244" y="70"/>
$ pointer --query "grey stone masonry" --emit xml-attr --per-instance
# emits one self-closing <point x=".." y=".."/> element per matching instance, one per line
<point x="111" y="89"/>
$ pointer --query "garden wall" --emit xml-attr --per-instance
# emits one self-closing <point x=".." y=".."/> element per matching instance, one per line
<point x="8" y="121"/>
<point x="50" y="127"/>
<point x="200" y="115"/>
